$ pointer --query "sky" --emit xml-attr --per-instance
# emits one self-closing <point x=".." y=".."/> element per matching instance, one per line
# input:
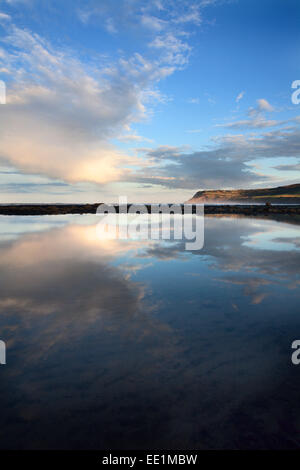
<point x="149" y="99"/>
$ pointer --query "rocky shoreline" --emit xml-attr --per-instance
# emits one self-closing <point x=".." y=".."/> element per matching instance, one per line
<point x="210" y="209"/>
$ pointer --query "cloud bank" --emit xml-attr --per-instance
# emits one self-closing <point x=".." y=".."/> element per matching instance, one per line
<point x="62" y="113"/>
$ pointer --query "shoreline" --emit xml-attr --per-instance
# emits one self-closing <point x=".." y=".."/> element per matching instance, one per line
<point x="218" y="209"/>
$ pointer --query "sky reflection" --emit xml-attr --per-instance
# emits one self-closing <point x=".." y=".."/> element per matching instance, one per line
<point x="142" y="344"/>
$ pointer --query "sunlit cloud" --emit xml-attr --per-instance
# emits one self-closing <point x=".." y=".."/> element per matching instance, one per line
<point x="62" y="114"/>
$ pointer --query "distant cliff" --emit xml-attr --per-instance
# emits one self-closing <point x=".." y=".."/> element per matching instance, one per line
<point x="281" y="195"/>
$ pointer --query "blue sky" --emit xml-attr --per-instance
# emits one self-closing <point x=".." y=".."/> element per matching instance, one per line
<point x="150" y="99"/>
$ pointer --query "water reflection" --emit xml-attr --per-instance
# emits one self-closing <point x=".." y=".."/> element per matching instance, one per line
<point x="142" y="344"/>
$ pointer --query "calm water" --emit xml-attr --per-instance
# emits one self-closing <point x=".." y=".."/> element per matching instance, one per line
<point x="139" y="344"/>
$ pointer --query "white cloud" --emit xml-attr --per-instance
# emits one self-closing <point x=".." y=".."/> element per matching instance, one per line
<point x="257" y="118"/>
<point x="255" y="123"/>
<point x="175" y="51"/>
<point x="110" y="26"/>
<point x="61" y="123"/>
<point x="262" y="105"/>
<point x="193" y="100"/>
<point x="239" y="96"/>
<point x="192" y="15"/>
<point x="210" y="99"/>
<point x="149" y="17"/>
<point x="12" y="2"/>
<point x="84" y="15"/>
<point x="61" y="114"/>
<point x="152" y="22"/>
<point x="133" y="138"/>
<point x="205" y="3"/>
<point x="4" y="16"/>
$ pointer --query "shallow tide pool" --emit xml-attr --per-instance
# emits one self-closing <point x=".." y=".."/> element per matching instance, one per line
<point x="142" y="344"/>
